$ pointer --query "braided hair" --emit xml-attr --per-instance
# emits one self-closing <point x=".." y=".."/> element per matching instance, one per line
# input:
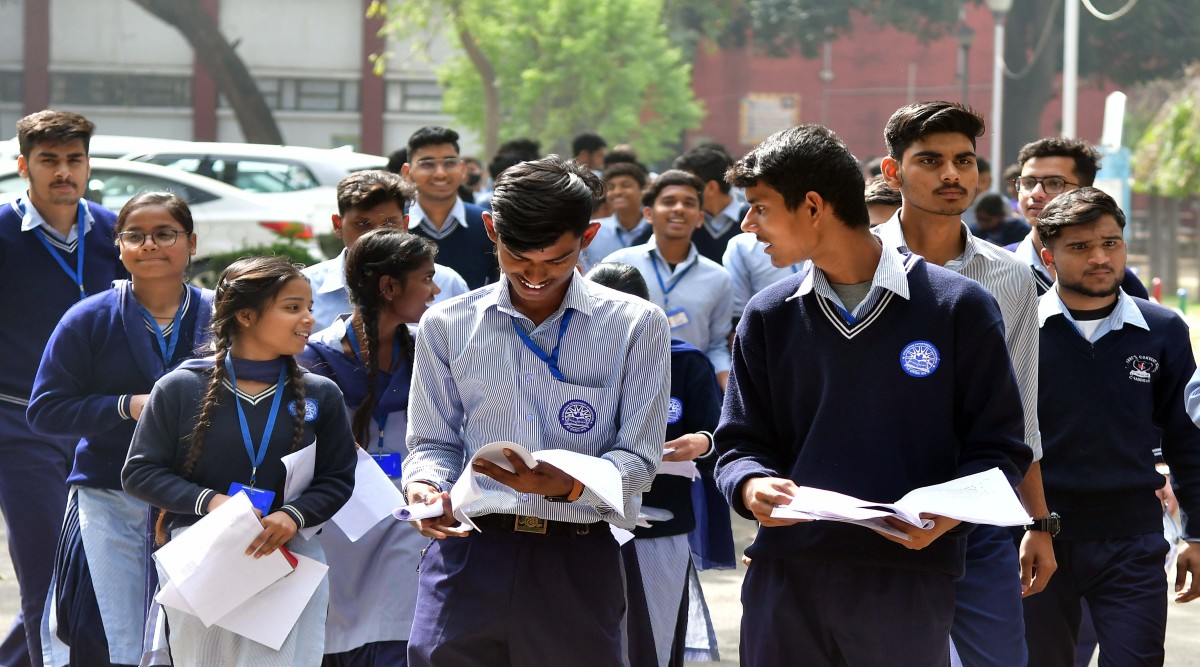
<point x="250" y="283"/>
<point x="379" y="253"/>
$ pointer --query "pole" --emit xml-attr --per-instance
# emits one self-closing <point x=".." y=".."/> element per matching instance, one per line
<point x="998" y="101"/>
<point x="1070" y="77"/>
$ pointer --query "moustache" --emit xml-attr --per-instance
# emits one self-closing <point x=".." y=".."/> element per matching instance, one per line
<point x="960" y="191"/>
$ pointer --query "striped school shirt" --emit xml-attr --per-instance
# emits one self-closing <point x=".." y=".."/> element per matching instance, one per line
<point x="476" y="382"/>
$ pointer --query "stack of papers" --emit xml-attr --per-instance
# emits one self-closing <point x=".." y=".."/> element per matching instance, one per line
<point x="375" y="494"/>
<point x="984" y="497"/>
<point x="211" y="577"/>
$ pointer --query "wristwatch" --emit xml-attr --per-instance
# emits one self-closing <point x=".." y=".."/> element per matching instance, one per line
<point x="1051" y="524"/>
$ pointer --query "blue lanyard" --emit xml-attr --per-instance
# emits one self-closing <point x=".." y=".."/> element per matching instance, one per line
<point x="166" y="346"/>
<point x="674" y="283"/>
<point x="256" y="459"/>
<point x="552" y="358"/>
<point x="75" y="276"/>
<point x="795" y="269"/>
<point x="380" y="419"/>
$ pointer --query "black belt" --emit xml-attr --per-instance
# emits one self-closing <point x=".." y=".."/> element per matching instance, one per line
<point x="519" y="523"/>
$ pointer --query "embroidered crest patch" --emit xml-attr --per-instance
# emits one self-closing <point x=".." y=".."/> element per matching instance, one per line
<point x="919" y="358"/>
<point x="577" y="416"/>
<point x="1141" y="368"/>
<point x="310" y="409"/>
<point x="674" y="410"/>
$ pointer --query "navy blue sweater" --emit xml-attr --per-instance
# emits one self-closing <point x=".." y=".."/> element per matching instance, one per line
<point x="467" y="250"/>
<point x="99" y="355"/>
<point x="161" y="442"/>
<point x="1104" y="408"/>
<point x="836" y="409"/>
<point x="713" y="247"/>
<point x="36" y="292"/>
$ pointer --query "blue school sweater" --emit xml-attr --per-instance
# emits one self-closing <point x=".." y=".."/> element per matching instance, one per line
<point x="467" y="250"/>
<point x="1104" y="408"/>
<point x="851" y="408"/>
<point x="36" y="292"/>
<point x="100" y="354"/>
<point x="161" y="442"/>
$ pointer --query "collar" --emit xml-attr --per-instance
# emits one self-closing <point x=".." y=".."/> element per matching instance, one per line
<point x="891" y="274"/>
<point x="611" y="221"/>
<point x="720" y="222"/>
<point x="891" y="233"/>
<point x="457" y="214"/>
<point x="655" y="255"/>
<point x="1126" y="312"/>
<point x="498" y="296"/>
<point x="1028" y="255"/>
<point x="335" y="275"/>
<point x="32" y="218"/>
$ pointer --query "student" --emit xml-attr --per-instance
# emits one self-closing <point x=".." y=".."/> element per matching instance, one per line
<point x="1113" y="370"/>
<point x="882" y="200"/>
<point x="436" y="170"/>
<point x="627" y="226"/>
<point x="723" y="212"/>
<point x="55" y="249"/>
<point x="367" y="200"/>
<point x="541" y="583"/>
<point x="931" y="161"/>
<point x="660" y="579"/>
<point x="96" y="374"/>
<point x="695" y="291"/>
<point x="369" y="355"/>
<point x="871" y="373"/>
<point x="217" y="424"/>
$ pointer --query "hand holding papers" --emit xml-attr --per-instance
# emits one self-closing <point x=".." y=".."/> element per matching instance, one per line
<point x="984" y="497"/>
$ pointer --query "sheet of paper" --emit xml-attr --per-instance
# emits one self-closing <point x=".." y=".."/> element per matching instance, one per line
<point x="300" y="466"/>
<point x="595" y="473"/>
<point x="417" y="511"/>
<point x="681" y="468"/>
<point x="208" y="563"/>
<point x="985" y="497"/>
<point x="375" y="496"/>
<point x="269" y="616"/>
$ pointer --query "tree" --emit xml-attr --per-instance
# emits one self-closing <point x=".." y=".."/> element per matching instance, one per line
<point x="550" y="69"/>
<point x="1166" y="161"/>
<point x="222" y="62"/>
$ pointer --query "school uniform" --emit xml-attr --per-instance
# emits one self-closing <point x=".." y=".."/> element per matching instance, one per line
<point x="156" y="457"/>
<point x="713" y="235"/>
<point x="909" y="388"/>
<point x="372" y="582"/>
<point x="612" y="237"/>
<point x="1042" y="279"/>
<point x="39" y="271"/>
<point x="988" y="624"/>
<point x="500" y="596"/>
<point x="105" y="350"/>
<point x="750" y="269"/>
<point x="462" y="241"/>
<point x="667" y="625"/>
<point x="696" y="294"/>
<point x="330" y="298"/>
<point x="1110" y="394"/>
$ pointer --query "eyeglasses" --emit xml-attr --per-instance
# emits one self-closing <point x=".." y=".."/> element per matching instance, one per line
<point x="431" y="164"/>
<point x="163" y="238"/>
<point x="1051" y="185"/>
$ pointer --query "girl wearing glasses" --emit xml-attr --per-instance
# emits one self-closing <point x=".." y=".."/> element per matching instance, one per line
<point x="95" y="376"/>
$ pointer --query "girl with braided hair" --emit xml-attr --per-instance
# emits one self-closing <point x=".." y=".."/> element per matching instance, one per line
<point x="390" y="279"/>
<point x="210" y="428"/>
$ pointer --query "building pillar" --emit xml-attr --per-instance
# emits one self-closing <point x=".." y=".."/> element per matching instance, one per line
<point x="204" y="90"/>
<point x="371" y="87"/>
<point x="35" y="79"/>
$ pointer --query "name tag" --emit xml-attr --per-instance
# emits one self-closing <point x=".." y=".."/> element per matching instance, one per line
<point x="677" y="318"/>
<point x="390" y="463"/>
<point x="261" y="499"/>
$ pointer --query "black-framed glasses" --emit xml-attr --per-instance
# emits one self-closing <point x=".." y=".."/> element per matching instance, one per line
<point x="431" y="164"/>
<point x="1052" y="185"/>
<point x="163" y="238"/>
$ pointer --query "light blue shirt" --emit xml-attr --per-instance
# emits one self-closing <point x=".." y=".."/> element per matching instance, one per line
<point x="32" y="219"/>
<point x="1126" y="312"/>
<point x="610" y="238"/>
<point x="458" y="215"/>
<point x="719" y="224"/>
<point x="750" y="269"/>
<point x="1029" y="255"/>
<point x="330" y="298"/>
<point x="699" y="286"/>
<point x="476" y="382"/>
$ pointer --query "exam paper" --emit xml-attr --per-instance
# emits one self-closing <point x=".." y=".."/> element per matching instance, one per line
<point x="269" y="616"/>
<point x="375" y="494"/>
<point x="680" y="468"/>
<point x="417" y="511"/>
<point x="301" y="466"/>
<point x="208" y="564"/>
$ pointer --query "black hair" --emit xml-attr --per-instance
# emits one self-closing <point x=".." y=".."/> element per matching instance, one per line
<point x="378" y="253"/>
<point x="176" y="207"/>
<point x="55" y="128"/>
<point x="588" y="141"/>
<point x="874" y="166"/>
<point x="913" y="122"/>
<point x="803" y="159"/>
<point x="364" y="190"/>
<point x="878" y="192"/>
<point x="618" y="157"/>
<point x="528" y="149"/>
<point x="630" y="169"/>
<point x="502" y="161"/>
<point x="983" y="165"/>
<point x="1076" y="207"/>
<point x="708" y="164"/>
<point x="621" y="277"/>
<point x="1011" y="172"/>
<point x="994" y="204"/>
<point x="673" y="177"/>
<point x="534" y="203"/>
<point x="397" y="159"/>
<point x="431" y="135"/>
<point x="1086" y="157"/>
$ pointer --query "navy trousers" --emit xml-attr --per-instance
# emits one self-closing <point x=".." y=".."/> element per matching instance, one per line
<point x="989" y="627"/>
<point x="33" y="497"/>
<point x="497" y="598"/>
<point x="837" y="614"/>
<point x="1125" y="586"/>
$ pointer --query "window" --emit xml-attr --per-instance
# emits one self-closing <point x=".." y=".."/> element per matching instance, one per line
<point x="121" y="90"/>
<point x="253" y="175"/>
<point x="10" y="87"/>
<point x="114" y="188"/>
<point x="286" y="94"/>
<point x="413" y="96"/>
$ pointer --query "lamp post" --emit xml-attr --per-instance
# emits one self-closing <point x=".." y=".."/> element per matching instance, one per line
<point x="965" y="36"/>
<point x="1070" y="77"/>
<point x="999" y="13"/>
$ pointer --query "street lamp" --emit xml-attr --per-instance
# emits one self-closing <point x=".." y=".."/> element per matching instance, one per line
<point x="999" y="13"/>
<point x="965" y="36"/>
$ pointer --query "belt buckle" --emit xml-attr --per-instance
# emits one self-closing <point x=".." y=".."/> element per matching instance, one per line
<point x="530" y="524"/>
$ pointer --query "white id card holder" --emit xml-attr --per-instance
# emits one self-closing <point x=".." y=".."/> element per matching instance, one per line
<point x="677" y="318"/>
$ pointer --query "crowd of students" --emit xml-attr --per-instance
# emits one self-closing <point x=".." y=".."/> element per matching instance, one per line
<point x="720" y="334"/>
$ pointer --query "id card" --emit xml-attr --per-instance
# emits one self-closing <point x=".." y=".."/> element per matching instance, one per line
<point x="261" y="499"/>
<point x="677" y="318"/>
<point x="390" y="463"/>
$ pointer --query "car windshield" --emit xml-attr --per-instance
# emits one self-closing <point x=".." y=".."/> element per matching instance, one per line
<point x="245" y="174"/>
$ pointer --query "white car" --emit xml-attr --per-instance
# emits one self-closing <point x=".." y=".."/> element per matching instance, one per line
<point x="226" y="218"/>
<point x="102" y="145"/>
